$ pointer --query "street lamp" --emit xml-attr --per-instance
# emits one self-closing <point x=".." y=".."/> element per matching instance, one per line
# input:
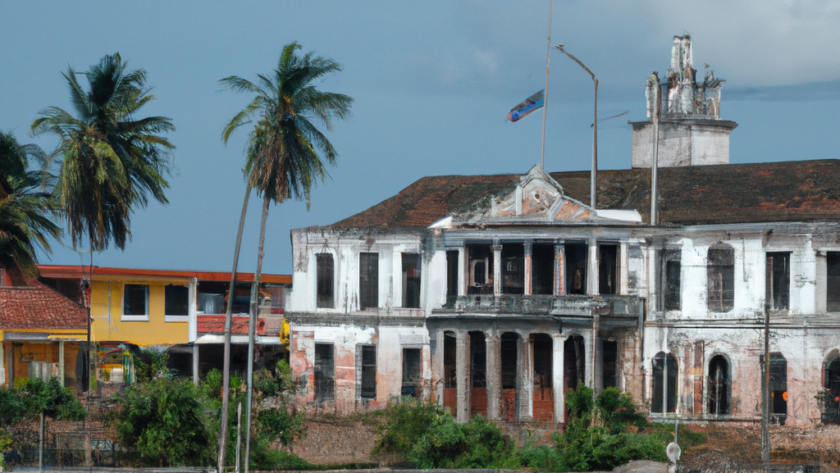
<point x="560" y="48"/>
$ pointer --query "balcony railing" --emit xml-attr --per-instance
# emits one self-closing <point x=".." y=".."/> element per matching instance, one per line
<point x="571" y="305"/>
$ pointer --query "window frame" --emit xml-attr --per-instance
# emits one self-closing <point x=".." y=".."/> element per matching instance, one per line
<point x="134" y="318"/>
<point x="174" y="317"/>
<point x="719" y="265"/>
<point x="318" y="258"/>
<point x="670" y="255"/>
<point x="833" y="253"/>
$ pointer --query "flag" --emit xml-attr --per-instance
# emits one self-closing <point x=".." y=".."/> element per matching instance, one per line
<point x="527" y="106"/>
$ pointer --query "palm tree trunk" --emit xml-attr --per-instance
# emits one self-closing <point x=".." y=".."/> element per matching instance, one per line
<point x="228" y="314"/>
<point x="252" y="331"/>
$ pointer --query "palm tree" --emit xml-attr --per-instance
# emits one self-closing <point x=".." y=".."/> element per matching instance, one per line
<point x="25" y="209"/>
<point x="286" y="152"/>
<point x="107" y="160"/>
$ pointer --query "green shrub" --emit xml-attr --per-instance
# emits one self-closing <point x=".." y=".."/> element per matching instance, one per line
<point x="150" y="363"/>
<point x="404" y="424"/>
<point x="617" y="411"/>
<point x="11" y="406"/>
<point x="51" y="398"/>
<point x="579" y="402"/>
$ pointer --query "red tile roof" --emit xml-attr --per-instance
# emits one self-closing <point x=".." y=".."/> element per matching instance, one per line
<point x="36" y="306"/>
<point x="215" y="324"/>
<point x="75" y="272"/>
<point x="793" y="191"/>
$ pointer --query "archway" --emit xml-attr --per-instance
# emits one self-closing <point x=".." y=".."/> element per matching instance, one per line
<point x="664" y="383"/>
<point x="831" y="410"/>
<point x="719" y="387"/>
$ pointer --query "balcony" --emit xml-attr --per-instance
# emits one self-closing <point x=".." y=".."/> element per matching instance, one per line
<point x="572" y="305"/>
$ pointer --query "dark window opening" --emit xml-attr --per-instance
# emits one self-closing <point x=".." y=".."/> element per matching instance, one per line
<point x="411" y="280"/>
<point x="450" y="377"/>
<point x="543" y="355"/>
<point x="513" y="268"/>
<point x="325" y="277"/>
<point x="176" y="300"/>
<point x="412" y="378"/>
<point x="670" y="284"/>
<point x="324" y="372"/>
<point x="478" y="360"/>
<point x="212" y="297"/>
<point x="833" y="281"/>
<point x="368" y="372"/>
<point x="664" y="383"/>
<point x="720" y="271"/>
<point x="509" y="348"/>
<point x="574" y="362"/>
<point x="277" y="295"/>
<point x="609" y="369"/>
<point x="720" y="386"/>
<point x="576" y="258"/>
<point x="778" y="281"/>
<point x="831" y="408"/>
<point x="451" y="278"/>
<point x="480" y="269"/>
<point x="135" y="299"/>
<point x="368" y="280"/>
<point x="607" y="268"/>
<point x="778" y="386"/>
<point x="542" y="269"/>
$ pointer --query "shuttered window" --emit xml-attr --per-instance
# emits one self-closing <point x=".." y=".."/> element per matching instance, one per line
<point x="720" y="270"/>
<point x="368" y="280"/>
<point x="326" y="275"/>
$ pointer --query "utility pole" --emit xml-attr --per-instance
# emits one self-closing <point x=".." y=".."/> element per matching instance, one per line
<point x="765" y="395"/>
<point x="545" y="96"/>
<point x="657" y="107"/>
<point x="594" y="175"/>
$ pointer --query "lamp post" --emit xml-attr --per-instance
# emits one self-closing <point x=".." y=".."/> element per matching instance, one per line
<point x="594" y="176"/>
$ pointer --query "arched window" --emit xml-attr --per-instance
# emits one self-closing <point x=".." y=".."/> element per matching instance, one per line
<point x="831" y="411"/>
<point x="720" y="270"/>
<point x="719" y="388"/>
<point x="664" y="383"/>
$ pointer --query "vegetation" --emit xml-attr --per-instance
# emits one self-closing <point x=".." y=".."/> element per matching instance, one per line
<point x="25" y="209"/>
<point x="108" y="161"/>
<point x="29" y="397"/>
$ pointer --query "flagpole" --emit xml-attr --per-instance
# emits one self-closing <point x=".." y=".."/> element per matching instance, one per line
<point x="545" y="100"/>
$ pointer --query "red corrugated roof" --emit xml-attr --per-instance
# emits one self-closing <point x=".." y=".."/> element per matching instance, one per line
<point x="36" y="306"/>
<point x="215" y="324"/>
<point x="76" y="271"/>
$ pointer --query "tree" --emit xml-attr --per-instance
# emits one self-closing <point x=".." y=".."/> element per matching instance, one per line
<point x="285" y="149"/>
<point x="25" y="209"/>
<point x="108" y="161"/>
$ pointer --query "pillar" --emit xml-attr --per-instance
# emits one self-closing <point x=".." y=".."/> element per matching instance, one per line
<point x="61" y="362"/>
<point x="437" y="365"/>
<point x="623" y="270"/>
<point x="494" y="373"/>
<point x="592" y="267"/>
<point x="462" y="271"/>
<point x="192" y="310"/>
<point x="559" y="268"/>
<point x="558" y="375"/>
<point x="497" y="269"/>
<point x="195" y="364"/>
<point x="529" y="245"/>
<point x="589" y="360"/>
<point x="2" y="364"/>
<point x="462" y="375"/>
<point x="525" y="378"/>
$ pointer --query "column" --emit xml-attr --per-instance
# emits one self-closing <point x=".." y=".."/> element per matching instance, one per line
<point x="623" y="270"/>
<point x="462" y="375"/>
<point x="589" y="361"/>
<point x="559" y="268"/>
<point x="525" y="378"/>
<point x="558" y="375"/>
<point x="494" y="373"/>
<point x="437" y="365"/>
<point x="192" y="310"/>
<point x="592" y="267"/>
<point x="497" y="269"/>
<point x="195" y="364"/>
<point x="528" y="245"/>
<point x="462" y="271"/>
<point x="2" y="365"/>
<point x="61" y="362"/>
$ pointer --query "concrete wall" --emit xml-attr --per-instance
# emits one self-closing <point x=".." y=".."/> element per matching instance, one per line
<point x="682" y="143"/>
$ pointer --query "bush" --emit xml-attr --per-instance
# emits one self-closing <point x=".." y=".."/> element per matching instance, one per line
<point x="617" y="411"/>
<point x="165" y="420"/>
<point x="404" y="424"/>
<point x="51" y="398"/>
<point x="150" y="364"/>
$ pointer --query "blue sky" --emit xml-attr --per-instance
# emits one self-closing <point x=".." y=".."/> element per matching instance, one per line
<point x="432" y="80"/>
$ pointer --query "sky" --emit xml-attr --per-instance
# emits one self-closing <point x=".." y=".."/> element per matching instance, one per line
<point x="432" y="83"/>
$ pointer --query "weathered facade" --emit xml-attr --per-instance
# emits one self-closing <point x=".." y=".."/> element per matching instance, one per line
<point x="496" y="294"/>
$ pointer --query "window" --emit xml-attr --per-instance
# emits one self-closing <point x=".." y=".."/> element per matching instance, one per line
<point x="478" y="359"/>
<point x="368" y="280"/>
<point x="480" y="269"/>
<point x="411" y="280"/>
<point x="778" y="386"/>
<point x="670" y="279"/>
<point x="368" y="372"/>
<point x="607" y="280"/>
<point x="664" y="383"/>
<point x="719" y="387"/>
<point x="509" y="348"/>
<point x="136" y="301"/>
<point x="542" y="269"/>
<point x="833" y="281"/>
<point x="778" y="281"/>
<point x="576" y="257"/>
<point x="451" y="279"/>
<point x="411" y="372"/>
<point x="831" y="408"/>
<point x="513" y="268"/>
<point x="177" y="300"/>
<point x="325" y="276"/>
<point x="450" y="377"/>
<point x="324" y="372"/>
<point x="543" y="347"/>
<point x="609" y="369"/>
<point x="720" y="270"/>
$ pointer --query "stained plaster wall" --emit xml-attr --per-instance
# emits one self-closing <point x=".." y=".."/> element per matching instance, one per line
<point x="682" y="144"/>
